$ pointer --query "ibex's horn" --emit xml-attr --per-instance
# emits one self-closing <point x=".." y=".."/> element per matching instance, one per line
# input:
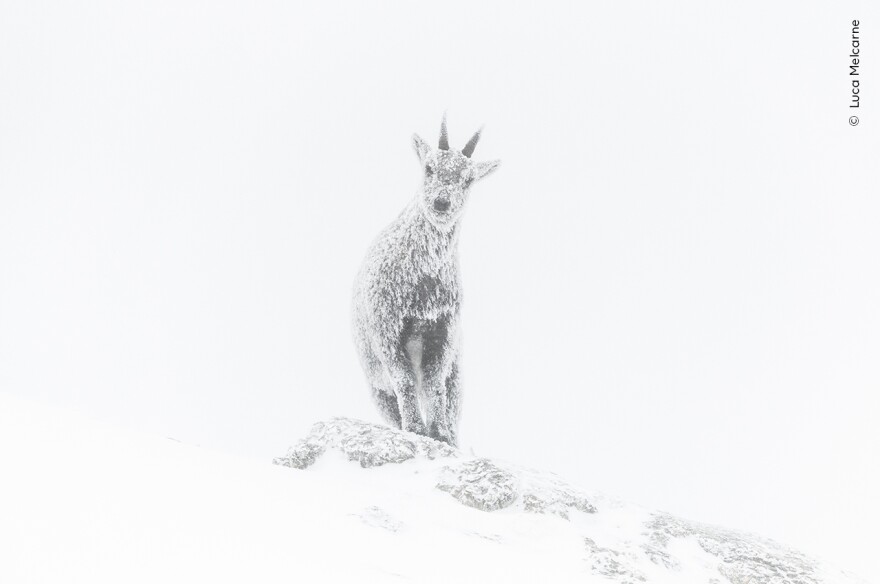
<point x="444" y="136"/>
<point x="472" y="143"/>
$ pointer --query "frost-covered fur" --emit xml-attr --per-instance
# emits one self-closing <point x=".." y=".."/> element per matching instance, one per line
<point x="407" y="298"/>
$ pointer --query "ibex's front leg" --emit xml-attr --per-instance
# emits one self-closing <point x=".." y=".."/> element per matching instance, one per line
<point x="453" y="401"/>
<point x="437" y="353"/>
<point x="403" y="381"/>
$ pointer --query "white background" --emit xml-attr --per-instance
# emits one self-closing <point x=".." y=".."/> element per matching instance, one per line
<point x="671" y="284"/>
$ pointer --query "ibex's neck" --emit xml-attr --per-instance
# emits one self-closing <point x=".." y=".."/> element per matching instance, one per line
<point x="439" y="241"/>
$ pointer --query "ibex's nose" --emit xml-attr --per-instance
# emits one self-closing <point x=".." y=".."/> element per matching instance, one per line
<point x="441" y="205"/>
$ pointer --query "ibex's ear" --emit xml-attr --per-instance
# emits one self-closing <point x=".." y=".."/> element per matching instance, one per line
<point x="422" y="148"/>
<point x="481" y="169"/>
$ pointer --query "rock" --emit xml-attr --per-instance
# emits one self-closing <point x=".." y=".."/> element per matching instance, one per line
<point x="369" y="444"/>
<point x="479" y="484"/>
<point x="612" y="564"/>
<point x="743" y="557"/>
<point x="544" y="492"/>
<point x="488" y="486"/>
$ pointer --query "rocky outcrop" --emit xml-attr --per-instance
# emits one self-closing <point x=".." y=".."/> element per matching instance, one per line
<point x="620" y="542"/>
<point x="369" y="444"/>
<point x="742" y="557"/>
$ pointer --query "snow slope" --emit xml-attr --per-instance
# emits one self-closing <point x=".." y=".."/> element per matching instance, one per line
<point x="81" y="502"/>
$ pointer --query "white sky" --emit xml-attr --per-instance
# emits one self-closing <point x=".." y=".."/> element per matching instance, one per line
<point x="671" y="284"/>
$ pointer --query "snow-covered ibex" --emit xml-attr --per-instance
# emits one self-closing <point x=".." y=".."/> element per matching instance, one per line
<point x="408" y="293"/>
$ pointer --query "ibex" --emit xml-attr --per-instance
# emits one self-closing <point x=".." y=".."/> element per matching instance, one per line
<point x="407" y="297"/>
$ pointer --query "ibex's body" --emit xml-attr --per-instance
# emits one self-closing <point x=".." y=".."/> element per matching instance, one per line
<point x="407" y="299"/>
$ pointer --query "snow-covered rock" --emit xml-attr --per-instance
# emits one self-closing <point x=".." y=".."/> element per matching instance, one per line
<point x="618" y="542"/>
<point x="369" y="444"/>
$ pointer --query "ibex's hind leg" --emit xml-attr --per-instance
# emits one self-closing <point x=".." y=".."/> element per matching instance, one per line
<point x="388" y="407"/>
<point x="453" y="402"/>
<point x="383" y="396"/>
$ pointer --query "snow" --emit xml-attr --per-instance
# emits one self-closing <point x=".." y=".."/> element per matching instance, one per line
<point x="81" y="501"/>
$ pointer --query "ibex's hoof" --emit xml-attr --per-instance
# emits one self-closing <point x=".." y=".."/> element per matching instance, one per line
<point x="448" y="440"/>
<point x="440" y="434"/>
<point x="417" y="427"/>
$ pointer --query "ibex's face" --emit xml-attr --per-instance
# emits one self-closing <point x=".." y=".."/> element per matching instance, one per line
<point x="448" y="176"/>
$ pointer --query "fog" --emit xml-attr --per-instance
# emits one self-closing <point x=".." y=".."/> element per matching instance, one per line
<point x="670" y="285"/>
